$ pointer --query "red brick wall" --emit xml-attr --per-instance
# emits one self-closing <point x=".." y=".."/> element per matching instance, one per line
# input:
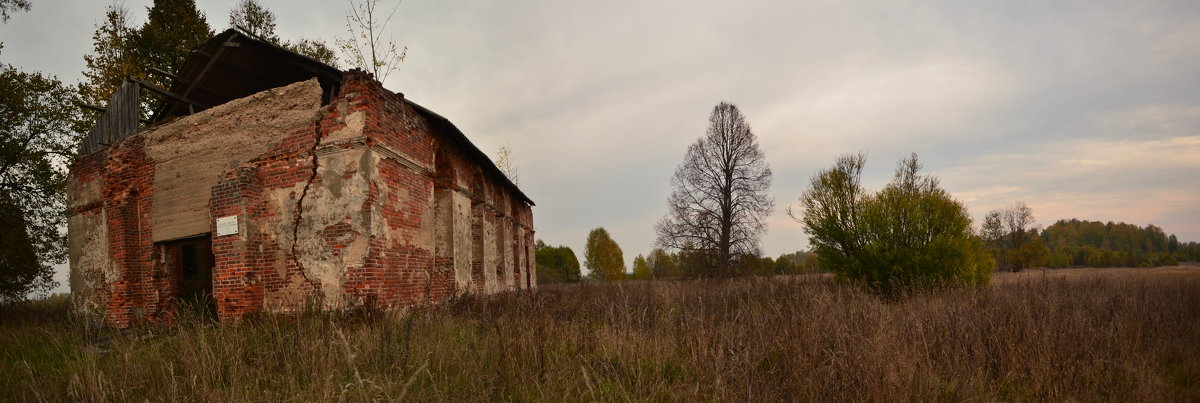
<point x="238" y="275"/>
<point x="142" y="291"/>
<point x="401" y="271"/>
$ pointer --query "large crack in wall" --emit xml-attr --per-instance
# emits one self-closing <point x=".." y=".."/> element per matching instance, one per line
<point x="328" y="233"/>
<point x="298" y="214"/>
<point x="192" y="154"/>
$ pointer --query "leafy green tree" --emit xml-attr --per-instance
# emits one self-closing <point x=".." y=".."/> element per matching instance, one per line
<point x="1155" y="240"/>
<point x="316" y="49"/>
<point x="1006" y="232"/>
<point x="763" y="266"/>
<point x="797" y="262"/>
<point x="784" y="265"/>
<point x="1188" y="251"/>
<point x="36" y="142"/>
<point x="1059" y="260"/>
<point x="1085" y="243"/>
<point x="21" y="272"/>
<point x="910" y="234"/>
<point x="662" y="264"/>
<point x="641" y="269"/>
<point x="695" y="262"/>
<point x="750" y="265"/>
<point x="7" y="7"/>
<point x="992" y="233"/>
<point x="1017" y="220"/>
<point x="1033" y="253"/>
<point x="556" y="264"/>
<point x="254" y="19"/>
<point x="831" y="212"/>
<point x="172" y="29"/>
<point x="112" y="57"/>
<point x="603" y="258"/>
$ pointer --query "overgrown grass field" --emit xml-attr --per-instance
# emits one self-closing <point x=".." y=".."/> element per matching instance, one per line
<point x="1085" y="335"/>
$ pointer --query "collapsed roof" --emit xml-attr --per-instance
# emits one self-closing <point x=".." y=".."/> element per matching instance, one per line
<point x="233" y="65"/>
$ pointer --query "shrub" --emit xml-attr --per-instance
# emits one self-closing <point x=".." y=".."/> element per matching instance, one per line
<point x="911" y="234"/>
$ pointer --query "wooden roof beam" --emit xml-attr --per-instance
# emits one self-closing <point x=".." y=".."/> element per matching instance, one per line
<point x="211" y="61"/>
<point x="91" y="107"/>
<point x="164" y="73"/>
<point x="166" y="93"/>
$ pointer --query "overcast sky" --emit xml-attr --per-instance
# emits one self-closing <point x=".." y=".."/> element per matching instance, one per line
<point x="1084" y="109"/>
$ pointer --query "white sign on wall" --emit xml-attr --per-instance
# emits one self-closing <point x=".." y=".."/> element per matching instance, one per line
<point x="227" y="226"/>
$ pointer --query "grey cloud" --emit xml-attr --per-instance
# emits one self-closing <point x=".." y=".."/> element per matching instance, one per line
<point x="600" y="99"/>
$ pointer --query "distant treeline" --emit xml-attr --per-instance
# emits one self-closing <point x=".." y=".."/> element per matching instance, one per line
<point x="1066" y="243"/>
<point x="559" y="264"/>
<point x="1097" y="244"/>
<point x="788" y="263"/>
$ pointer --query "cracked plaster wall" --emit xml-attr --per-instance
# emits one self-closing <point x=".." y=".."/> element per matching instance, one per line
<point x="88" y="245"/>
<point x="194" y="152"/>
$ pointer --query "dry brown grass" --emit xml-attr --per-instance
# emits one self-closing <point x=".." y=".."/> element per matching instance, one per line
<point x="1182" y="271"/>
<point x="1112" y="335"/>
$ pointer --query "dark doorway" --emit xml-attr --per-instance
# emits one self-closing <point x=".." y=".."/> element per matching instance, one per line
<point x="193" y="262"/>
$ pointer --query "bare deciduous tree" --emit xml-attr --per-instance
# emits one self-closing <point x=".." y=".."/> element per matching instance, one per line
<point x="1017" y="219"/>
<point x="992" y="232"/>
<point x="507" y="165"/>
<point x="365" y="47"/>
<point x="720" y="201"/>
<point x="1006" y="230"/>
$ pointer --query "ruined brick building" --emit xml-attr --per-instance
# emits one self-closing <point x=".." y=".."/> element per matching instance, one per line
<point x="271" y="181"/>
